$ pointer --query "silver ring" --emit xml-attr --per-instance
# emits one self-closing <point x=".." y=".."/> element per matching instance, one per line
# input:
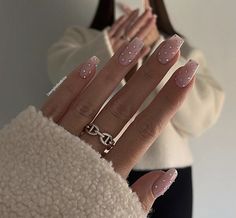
<point x="105" y="138"/>
<point x="126" y="38"/>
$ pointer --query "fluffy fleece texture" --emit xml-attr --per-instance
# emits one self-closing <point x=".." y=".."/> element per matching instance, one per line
<point x="47" y="172"/>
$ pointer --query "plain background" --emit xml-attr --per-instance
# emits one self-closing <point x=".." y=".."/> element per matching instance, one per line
<point x="29" y="27"/>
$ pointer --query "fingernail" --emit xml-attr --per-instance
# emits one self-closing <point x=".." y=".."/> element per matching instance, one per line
<point x="164" y="182"/>
<point x="169" y="49"/>
<point x="88" y="66"/>
<point x="131" y="51"/>
<point x="155" y="16"/>
<point x="149" y="8"/>
<point x="186" y="73"/>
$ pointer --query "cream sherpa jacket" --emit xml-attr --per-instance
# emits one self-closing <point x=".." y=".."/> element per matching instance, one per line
<point x="199" y="112"/>
<point x="47" y="172"/>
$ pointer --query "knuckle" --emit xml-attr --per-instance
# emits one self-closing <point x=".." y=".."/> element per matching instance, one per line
<point x="121" y="110"/>
<point x="147" y="201"/>
<point x="149" y="74"/>
<point x="69" y="90"/>
<point x="85" y="109"/>
<point x="169" y="102"/>
<point x="109" y="78"/>
<point x="146" y="130"/>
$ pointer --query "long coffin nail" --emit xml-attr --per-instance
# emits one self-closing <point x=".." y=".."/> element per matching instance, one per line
<point x="186" y="73"/>
<point x="169" y="49"/>
<point x="131" y="51"/>
<point x="162" y="184"/>
<point x="88" y="66"/>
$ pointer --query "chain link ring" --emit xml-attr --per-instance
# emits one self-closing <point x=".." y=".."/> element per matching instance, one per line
<point x="105" y="138"/>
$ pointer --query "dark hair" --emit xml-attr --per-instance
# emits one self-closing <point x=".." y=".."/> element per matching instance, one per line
<point x="105" y="16"/>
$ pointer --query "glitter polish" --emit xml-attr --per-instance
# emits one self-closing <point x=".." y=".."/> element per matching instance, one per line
<point x="169" y="49"/>
<point x="88" y="66"/>
<point x="185" y="74"/>
<point x="131" y="51"/>
<point x="163" y="183"/>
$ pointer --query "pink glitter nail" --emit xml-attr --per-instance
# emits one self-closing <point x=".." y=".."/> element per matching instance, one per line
<point x="186" y="73"/>
<point x="169" y="49"/>
<point x="164" y="182"/>
<point x="131" y="51"/>
<point x="88" y="66"/>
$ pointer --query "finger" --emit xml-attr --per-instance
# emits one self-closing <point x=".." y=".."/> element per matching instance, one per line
<point x="148" y="125"/>
<point x="146" y="29"/>
<point x="153" y="185"/>
<point x="58" y="102"/>
<point x="130" y="19"/>
<point x="121" y="108"/>
<point x="86" y="106"/>
<point x="147" y="4"/>
<point x="124" y="7"/>
<point x="117" y="25"/>
<point x="141" y="21"/>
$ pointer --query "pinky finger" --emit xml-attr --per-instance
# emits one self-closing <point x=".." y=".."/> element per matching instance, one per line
<point x="153" y="185"/>
<point x="68" y="89"/>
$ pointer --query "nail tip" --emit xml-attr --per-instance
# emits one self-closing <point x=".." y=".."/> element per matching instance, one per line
<point x="95" y="59"/>
<point x="179" y="38"/>
<point x="137" y="39"/>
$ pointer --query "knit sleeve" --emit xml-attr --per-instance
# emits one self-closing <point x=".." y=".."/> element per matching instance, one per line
<point x="203" y="105"/>
<point x="76" y="46"/>
<point x="47" y="172"/>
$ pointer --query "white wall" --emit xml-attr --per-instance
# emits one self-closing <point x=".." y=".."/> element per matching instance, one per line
<point x="28" y="27"/>
<point x="210" y="25"/>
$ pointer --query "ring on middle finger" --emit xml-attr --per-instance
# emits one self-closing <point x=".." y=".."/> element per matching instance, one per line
<point x="105" y="138"/>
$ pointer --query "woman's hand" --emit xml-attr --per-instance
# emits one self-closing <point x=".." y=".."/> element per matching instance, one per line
<point x="78" y="102"/>
<point x="130" y="26"/>
<point x="153" y="35"/>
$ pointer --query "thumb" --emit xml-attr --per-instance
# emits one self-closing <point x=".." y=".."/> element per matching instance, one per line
<point x="152" y="185"/>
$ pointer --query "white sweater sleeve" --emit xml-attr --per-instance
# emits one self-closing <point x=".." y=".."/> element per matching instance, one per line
<point x="47" y="172"/>
<point x="76" y="46"/>
<point x="203" y="104"/>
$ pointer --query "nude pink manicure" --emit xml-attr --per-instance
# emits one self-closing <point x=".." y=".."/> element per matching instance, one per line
<point x="131" y="51"/>
<point x="163" y="183"/>
<point x="186" y="73"/>
<point x="88" y="66"/>
<point x="169" y="49"/>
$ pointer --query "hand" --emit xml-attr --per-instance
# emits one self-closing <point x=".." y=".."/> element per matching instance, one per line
<point x="79" y="99"/>
<point x="153" y="34"/>
<point x="130" y="26"/>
